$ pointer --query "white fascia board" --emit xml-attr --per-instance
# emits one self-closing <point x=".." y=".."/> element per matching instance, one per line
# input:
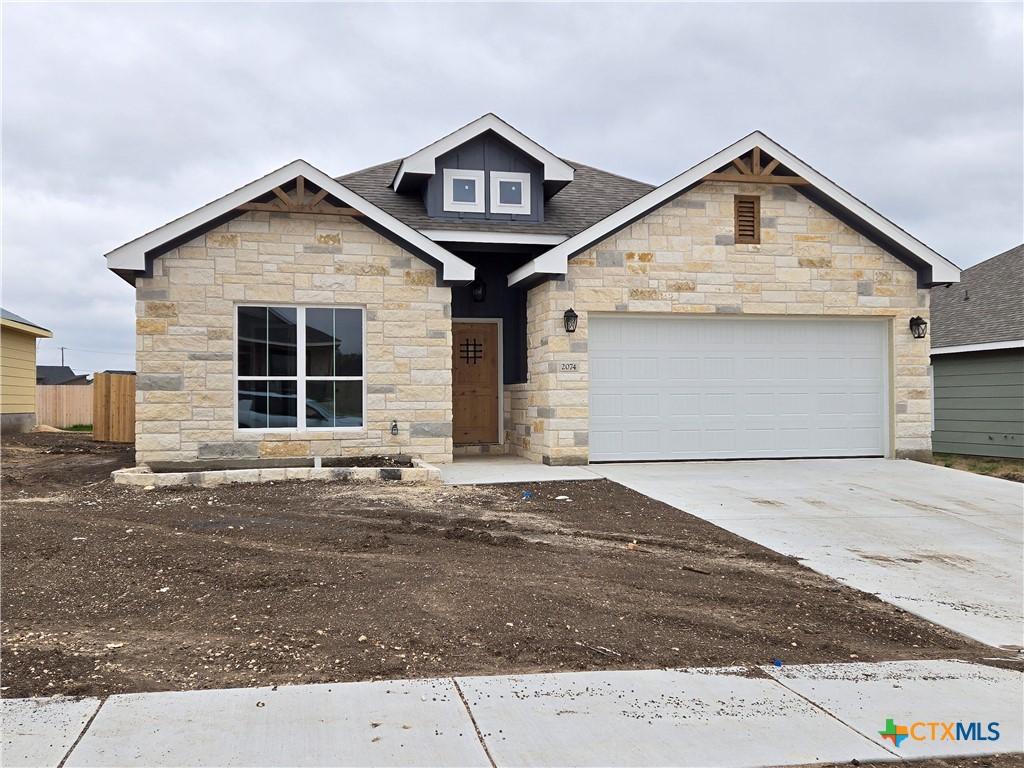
<point x="423" y="161"/>
<point x="555" y="261"/>
<point x="986" y="347"/>
<point x="132" y="255"/>
<point x="503" y="238"/>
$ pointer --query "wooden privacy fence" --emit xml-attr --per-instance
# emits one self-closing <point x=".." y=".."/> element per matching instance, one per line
<point x="63" y="405"/>
<point x="113" y="407"/>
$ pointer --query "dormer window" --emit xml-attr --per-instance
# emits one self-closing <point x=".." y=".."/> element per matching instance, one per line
<point x="510" y="192"/>
<point x="463" y="190"/>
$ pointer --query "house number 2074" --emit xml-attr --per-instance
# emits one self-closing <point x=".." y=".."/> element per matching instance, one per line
<point x="565" y="367"/>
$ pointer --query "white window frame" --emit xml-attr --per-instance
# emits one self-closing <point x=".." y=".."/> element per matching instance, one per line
<point x="450" y="175"/>
<point x="300" y="378"/>
<point x="499" y="176"/>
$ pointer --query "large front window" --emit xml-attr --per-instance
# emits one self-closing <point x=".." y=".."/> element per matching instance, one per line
<point x="292" y="355"/>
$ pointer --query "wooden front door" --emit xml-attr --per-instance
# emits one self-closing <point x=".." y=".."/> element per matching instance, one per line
<point x="475" y="385"/>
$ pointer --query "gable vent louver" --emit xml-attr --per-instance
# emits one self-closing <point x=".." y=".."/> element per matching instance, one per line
<point x="748" y="219"/>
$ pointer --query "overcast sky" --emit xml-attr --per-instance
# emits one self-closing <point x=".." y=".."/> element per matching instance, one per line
<point x="119" y="118"/>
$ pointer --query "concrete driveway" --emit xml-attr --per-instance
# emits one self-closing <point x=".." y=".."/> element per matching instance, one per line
<point x="941" y="543"/>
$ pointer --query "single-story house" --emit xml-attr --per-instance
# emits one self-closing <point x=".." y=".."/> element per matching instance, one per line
<point x="60" y="375"/>
<point x="978" y="359"/>
<point x="483" y="294"/>
<point x="17" y="371"/>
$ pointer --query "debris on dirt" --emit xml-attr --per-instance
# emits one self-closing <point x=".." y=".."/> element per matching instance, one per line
<point x="284" y="584"/>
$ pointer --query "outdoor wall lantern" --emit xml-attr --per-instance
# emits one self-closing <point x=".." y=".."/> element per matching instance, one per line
<point x="918" y="327"/>
<point x="571" y="318"/>
<point x="479" y="290"/>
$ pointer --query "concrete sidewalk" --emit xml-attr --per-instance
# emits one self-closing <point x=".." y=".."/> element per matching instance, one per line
<point x="487" y="470"/>
<point x="727" y="717"/>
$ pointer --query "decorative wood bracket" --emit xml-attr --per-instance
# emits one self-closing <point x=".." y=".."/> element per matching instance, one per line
<point x="750" y="169"/>
<point x="300" y="203"/>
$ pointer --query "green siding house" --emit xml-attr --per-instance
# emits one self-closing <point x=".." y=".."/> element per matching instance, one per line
<point x="978" y="359"/>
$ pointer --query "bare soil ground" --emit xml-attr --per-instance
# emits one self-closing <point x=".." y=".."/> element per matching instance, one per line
<point x="1007" y="469"/>
<point x="108" y="589"/>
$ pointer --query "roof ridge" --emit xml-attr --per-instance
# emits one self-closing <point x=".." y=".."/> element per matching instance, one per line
<point x="367" y="168"/>
<point x="579" y="165"/>
<point x="1017" y="250"/>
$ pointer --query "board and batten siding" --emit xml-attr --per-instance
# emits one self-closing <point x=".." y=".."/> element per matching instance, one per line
<point x="979" y="403"/>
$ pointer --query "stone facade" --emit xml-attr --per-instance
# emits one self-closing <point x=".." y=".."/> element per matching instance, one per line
<point x="682" y="258"/>
<point x="185" y="338"/>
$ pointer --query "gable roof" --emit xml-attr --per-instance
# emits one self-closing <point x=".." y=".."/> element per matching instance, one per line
<point x="59" y="374"/>
<point x="132" y="256"/>
<point x="593" y="195"/>
<point x="17" y="322"/>
<point x="932" y="267"/>
<point x="987" y="307"/>
<point x="557" y="172"/>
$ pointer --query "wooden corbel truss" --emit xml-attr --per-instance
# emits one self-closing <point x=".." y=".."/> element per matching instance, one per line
<point x="750" y="169"/>
<point x="300" y="202"/>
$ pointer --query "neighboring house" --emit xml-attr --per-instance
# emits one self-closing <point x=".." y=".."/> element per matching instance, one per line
<point x="485" y="295"/>
<point x="59" y="375"/>
<point x="17" y="371"/>
<point x="978" y="359"/>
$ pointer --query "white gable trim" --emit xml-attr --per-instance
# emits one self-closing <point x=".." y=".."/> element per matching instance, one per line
<point x="132" y="255"/>
<point x="555" y="261"/>
<point x="424" y="161"/>
<point x="985" y="347"/>
<point x="503" y="238"/>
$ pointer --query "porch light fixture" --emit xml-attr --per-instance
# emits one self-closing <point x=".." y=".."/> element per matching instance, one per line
<point x="918" y="327"/>
<point x="570" y="318"/>
<point x="479" y="290"/>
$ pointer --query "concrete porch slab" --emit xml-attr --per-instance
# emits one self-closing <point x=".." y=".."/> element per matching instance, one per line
<point x="422" y="722"/>
<point x="864" y="696"/>
<point x="486" y="470"/>
<point x="39" y="732"/>
<point x="655" y="717"/>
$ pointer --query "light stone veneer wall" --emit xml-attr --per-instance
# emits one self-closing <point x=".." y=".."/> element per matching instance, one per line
<point x="185" y="338"/>
<point x="682" y="258"/>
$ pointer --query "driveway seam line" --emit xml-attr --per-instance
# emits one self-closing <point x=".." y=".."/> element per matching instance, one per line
<point x="88" y="725"/>
<point x="836" y="717"/>
<point x="472" y="719"/>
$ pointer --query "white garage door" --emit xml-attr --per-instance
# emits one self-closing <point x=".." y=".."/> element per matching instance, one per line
<point x="710" y="388"/>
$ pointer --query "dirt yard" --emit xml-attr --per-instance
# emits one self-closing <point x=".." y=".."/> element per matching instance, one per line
<point x="109" y="589"/>
<point x="1007" y="469"/>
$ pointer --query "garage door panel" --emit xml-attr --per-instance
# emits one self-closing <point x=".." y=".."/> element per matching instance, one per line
<point x="640" y="405"/>
<point x="682" y="404"/>
<point x="678" y="388"/>
<point x="684" y="440"/>
<point x="606" y="368"/>
<point x="682" y="369"/>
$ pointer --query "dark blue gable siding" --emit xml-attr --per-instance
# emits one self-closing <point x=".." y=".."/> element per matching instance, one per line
<point x="487" y="152"/>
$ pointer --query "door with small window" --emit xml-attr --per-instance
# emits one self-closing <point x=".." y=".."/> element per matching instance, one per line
<point x="475" y="384"/>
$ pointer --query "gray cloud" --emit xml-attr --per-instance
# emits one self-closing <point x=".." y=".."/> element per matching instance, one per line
<point x="118" y="118"/>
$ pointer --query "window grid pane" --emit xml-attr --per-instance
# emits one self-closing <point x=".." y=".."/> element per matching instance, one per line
<point x="270" y="380"/>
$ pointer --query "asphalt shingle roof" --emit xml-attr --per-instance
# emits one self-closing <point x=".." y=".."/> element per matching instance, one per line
<point x="57" y="374"/>
<point x="986" y="306"/>
<point x="8" y="315"/>
<point x="591" y="196"/>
